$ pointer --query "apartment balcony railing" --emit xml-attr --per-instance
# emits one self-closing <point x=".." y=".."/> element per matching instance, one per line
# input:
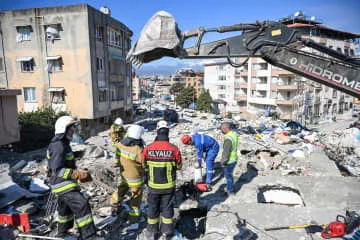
<point x="287" y="102"/>
<point x="240" y="97"/>
<point x="287" y="87"/>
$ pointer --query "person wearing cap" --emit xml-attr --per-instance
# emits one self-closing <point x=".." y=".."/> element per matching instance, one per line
<point x="117" y="131"/>
<point x="207" y="146"/>
<point x="128" y="158"/>
<point x="63" y="176"/>
<point x="161" y="160"/>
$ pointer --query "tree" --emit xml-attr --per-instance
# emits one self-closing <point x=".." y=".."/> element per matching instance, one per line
<point x="176" y="88"/>
<point x="204" y="101"/>
<point x="186" y="96"/>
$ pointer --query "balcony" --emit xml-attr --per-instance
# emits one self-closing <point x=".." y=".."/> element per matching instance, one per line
<point x="286" y="102"/>
<point x="287" y="87"/>
<point x="240" y="97"/>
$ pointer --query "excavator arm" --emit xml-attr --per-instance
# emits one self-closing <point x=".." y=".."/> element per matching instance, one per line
<point x="274" y="42"/>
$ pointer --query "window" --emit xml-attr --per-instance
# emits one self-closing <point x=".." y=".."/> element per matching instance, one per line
<point x="253" y="93"/>
<point x="102" y="95"/>
<point x="352" y="52"/>
<point x="262" y="80"/>
<point x="338" y="49"/>
<point x="273" y="94"/>
<point x="54" y="64"/>
<point x="222" y="78"/>
<point x="99" y="33"/>
<point x="221" y="67"/>
<point x="23" y="33"/>
<point x="30" y="94"/>
<point x="274" y="79"/>
<point x="100" y="64"/>
<point x="53" y="32"/>
<point x="1" y="64"/>
<point x="221" y="87"/>
<point x="263" y="66"/>
<point x="254" y="80"/>
<point x="346" y="51"/>
<point x="27" y="66"/>
<point x="221" y="96"/>
<point x="288" y="95"/>
<point x="57" y="97"/>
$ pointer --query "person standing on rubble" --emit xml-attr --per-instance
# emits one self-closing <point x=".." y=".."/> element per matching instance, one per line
<point x="63" y="177"/>
<point x="117" y="131"/>
<point x="161" y="160"/>
<point x="205" y="145"/>
<point x="229" y="156"/>
<point x="128" y="158"/>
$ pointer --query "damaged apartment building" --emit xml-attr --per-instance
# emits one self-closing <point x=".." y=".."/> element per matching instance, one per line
<point x="70" y="58"/>
<point x="258" y="85"/>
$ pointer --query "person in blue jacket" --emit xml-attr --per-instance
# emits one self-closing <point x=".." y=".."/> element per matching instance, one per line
<point x="205" y="145"/>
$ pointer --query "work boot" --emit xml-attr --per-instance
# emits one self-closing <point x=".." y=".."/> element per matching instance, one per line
<point x="165" y="236"/>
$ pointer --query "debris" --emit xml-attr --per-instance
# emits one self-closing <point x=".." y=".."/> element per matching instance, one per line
<point x="38" y="186"/>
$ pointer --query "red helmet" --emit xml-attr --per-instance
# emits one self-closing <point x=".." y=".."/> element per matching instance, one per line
<point x="185" y="139"/>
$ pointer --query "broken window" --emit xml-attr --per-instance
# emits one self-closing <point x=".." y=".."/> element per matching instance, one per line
<point x="102" y="94"/>
<point x="54" y="64"/>
<point x="30" y="94"/>
<point x="99" y="33"/>
<point x="1" y="65"/>
<point x="23" y="33"/>
<point x="100" y="64"/>
<point x="57" y="95"/>
<point x="27" y="64"/>
<point x="53" y="32"/>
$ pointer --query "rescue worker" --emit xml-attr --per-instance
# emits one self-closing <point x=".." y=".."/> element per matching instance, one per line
<point x="63" y="177"/>
<point x="117" y="131"/>
<point x="162" y="159"/>
<point x="128" y="158"/>
<point x="229" y="156"/>
<point x="205" y="145"/>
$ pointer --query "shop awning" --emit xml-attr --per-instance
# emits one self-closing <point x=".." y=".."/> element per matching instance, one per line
<point x="56" y="89"/>
<point x="24" y="59"/>
<point x="53" y="57"/>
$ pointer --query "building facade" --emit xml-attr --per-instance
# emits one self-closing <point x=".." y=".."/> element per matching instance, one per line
<point x="258" y="85"/>
<point x="189" y="78"/>
<point x="70" y="58"/>
<point x="136" y="88"/>
<point x="9" y="124"/>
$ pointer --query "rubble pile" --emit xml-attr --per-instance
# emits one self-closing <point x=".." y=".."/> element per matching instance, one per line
<point x="267" y="148"/>
<point x="344" y="148"/>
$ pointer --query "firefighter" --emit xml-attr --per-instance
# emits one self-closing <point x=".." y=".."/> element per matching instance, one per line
<point x="229" y="156"/>
<point x="117" y="131"/>
<point x="204" y="144"/>
<point x="128" y="158"/>
<point x="161" y="159"/>
<point x="63" y="177"/>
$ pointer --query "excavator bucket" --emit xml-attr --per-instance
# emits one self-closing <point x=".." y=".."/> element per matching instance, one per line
<point x="159" y="38"/>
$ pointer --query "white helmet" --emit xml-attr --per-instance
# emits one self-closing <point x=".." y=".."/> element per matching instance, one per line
<point x="62" y="123"/>
<point x="119" y="122"/>
<point x="135" y="131"/>
<point x="162" y="124"/>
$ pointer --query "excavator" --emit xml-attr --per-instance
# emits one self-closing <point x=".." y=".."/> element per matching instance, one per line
<point x="273" y="41"/>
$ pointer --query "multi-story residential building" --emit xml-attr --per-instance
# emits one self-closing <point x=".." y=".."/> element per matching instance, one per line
<point x="258" y="85"/>
<point x="136" y="88"/>
<point x="189" y="78"/>
<point x="69" y="57"/>
<point x="9" y="124"/>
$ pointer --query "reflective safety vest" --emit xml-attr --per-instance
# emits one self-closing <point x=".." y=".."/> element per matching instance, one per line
<point x="61" y="162"/>
<point x="233" y="137"/>
<point x="162" y="160"/>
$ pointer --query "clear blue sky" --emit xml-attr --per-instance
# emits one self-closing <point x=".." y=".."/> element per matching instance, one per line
<point x="339" y="14"/>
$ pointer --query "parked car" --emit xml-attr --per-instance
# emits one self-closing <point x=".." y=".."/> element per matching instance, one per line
<point x="189" y="112"/>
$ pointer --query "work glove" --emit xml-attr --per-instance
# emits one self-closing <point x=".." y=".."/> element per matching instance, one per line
<point x="82" y="175"/>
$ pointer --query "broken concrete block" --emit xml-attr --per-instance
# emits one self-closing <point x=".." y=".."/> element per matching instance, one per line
<point x="93" y="152"/>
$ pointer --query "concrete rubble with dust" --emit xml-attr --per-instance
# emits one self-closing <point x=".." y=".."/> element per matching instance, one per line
<point x="285" y="176"/>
